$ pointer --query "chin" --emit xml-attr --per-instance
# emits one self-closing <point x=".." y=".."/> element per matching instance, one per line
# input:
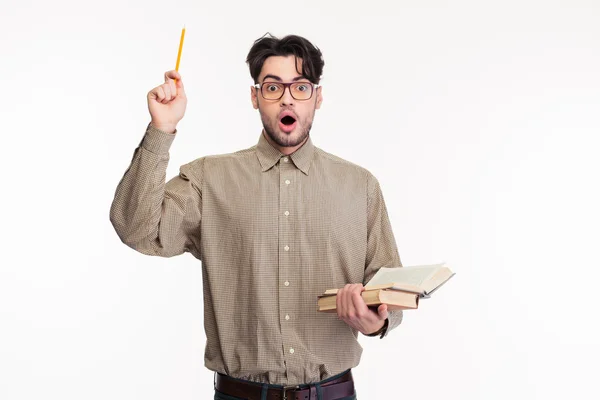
<point x="290" y="139"/>
<point x="285" y="139"/>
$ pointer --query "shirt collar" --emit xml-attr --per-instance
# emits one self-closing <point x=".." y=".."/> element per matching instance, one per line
<point x="269" y="155"/>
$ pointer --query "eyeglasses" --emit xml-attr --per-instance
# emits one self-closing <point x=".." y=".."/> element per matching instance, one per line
<point x="275" y="90"/>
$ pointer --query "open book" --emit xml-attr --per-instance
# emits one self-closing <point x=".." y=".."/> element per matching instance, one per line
<point x="399" y="287"/>
<point x="421" y="279"/>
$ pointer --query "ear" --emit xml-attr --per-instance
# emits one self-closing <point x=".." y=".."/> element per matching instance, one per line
<point x="319" y="97"/>
<point x="253" y="98"/>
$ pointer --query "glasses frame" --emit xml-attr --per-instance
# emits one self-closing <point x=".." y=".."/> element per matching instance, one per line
<point x="288" y="85"/>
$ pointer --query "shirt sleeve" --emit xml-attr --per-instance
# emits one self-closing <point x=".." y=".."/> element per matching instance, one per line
<point x="154" y="217"/>
<point x="381" y="245"/>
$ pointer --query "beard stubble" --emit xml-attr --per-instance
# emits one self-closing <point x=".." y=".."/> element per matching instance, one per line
<point x="287" y="139"/>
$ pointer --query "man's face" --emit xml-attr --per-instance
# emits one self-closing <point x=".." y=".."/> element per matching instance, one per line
<point x="282" y="130"/>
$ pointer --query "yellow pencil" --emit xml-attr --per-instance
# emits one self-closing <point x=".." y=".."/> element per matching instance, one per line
<point x="180" y="48"/>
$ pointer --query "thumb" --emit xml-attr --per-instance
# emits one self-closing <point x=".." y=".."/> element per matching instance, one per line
<point x="179" y="87"/>
<point x="383" y="311"/>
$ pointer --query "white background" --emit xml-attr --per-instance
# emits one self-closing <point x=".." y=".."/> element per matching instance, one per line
<point x="480" y="120"/>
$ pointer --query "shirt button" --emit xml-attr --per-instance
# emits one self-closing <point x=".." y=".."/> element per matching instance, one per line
<point x="287" y="182"/>
<point x="285" y="159"/>
<point x="287" y="317"/>
<point x="286" y="248"/>
<point x="287" y="213"/>
<point x="286" y="283"/>
<point x="291" y="350"/>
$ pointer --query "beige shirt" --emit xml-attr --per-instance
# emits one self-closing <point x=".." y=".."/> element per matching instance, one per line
<point x="272" y="232"/>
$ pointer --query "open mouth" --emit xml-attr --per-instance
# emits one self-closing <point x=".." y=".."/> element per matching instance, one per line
<point x="287" y="123"/>
<point x="288" y="120"/>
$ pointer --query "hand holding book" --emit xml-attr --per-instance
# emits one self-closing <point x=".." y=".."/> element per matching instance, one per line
<point x="400" y="288"/>
<point x="351" y="309"/>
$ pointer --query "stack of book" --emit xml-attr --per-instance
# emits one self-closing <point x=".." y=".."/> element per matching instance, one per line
<point x="398" y="287"/>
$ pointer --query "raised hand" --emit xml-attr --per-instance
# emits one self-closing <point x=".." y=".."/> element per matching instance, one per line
<point x="167" y="102"/>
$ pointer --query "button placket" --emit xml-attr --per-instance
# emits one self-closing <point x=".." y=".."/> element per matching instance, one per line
<point x="286" y="247"/>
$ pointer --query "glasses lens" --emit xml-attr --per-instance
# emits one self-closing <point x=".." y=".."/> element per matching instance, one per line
<point x="272" y="90"/>
<point x="301" y="90"/>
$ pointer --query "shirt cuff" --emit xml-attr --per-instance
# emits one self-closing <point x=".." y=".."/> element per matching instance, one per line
<point x="382" y="331"/>
<point x="157" y="141"/>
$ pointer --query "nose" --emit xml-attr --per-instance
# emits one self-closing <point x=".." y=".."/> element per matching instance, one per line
<point x="287" y="98"/>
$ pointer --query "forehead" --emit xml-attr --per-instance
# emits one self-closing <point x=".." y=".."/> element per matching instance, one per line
<point x="281" y="66"/>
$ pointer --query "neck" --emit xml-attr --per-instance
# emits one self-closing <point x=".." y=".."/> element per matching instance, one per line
<point x="284" y="150"/>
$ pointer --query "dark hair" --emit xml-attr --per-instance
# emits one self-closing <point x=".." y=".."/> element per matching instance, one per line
<point x="299" y="47"/>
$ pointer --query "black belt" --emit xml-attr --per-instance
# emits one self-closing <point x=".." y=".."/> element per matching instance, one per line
<point x="337" y="388"/>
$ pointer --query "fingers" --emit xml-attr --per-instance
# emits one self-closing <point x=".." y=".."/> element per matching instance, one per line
<point x="172" y="88"/>
<point x="162" y="93"/>
<point x="360" y="307"/>
<point x="382" y="311"/>
<point x="342" y="302"/>
<point x="172" y="74"/>
<point x="343" y="295"/>
<point x="349" y="301"/>
<point x="157" y="93"/>
<point x="168" y="90"/>
<point x="173" y="79"/>
<point x="168" y="95"/>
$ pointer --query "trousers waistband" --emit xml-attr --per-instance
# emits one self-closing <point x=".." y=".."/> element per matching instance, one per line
<point x="335" y="387"/>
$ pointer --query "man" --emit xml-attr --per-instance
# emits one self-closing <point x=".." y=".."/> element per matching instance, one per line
<point x="274" y="226"/>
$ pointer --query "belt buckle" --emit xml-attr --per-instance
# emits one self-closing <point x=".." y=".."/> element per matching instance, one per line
<point x="286" y="388"/>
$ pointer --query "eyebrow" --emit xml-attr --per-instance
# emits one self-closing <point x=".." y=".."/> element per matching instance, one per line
<point x="275" y="77"/>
